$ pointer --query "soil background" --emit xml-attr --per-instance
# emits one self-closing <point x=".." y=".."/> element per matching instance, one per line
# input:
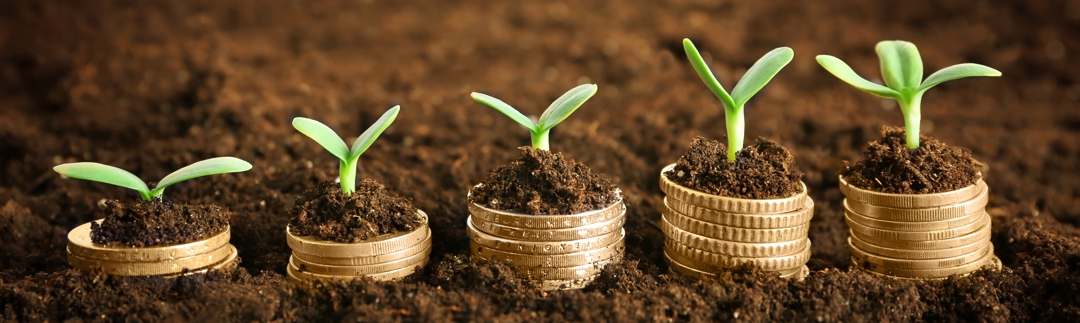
<point x="153" y="86"/>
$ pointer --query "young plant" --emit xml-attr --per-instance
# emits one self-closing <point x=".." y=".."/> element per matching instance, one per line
<point x="902" y="69"/>
<point x="753" y="81"/>
<point x="555" y="113"/>
<point x="327" y="138"/>
<point x="119" y="177"/>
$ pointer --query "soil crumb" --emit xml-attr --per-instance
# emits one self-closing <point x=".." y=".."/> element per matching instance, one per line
<point x="889" y="166"/>
<point x="146" y="224"/>
<point x="326" y="213"/>
<point x="544" y="183"/>
<point x="764" y="170"/>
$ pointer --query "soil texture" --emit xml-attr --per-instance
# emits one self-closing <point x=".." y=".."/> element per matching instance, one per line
<point x="889" y="166"/>
<point x="543" y="182"/>
<point x="764" y="170"/>
<point x="326" y="213"/>
<point x="147" y="224"/>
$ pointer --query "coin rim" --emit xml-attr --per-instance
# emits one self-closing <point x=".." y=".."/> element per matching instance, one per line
<point x="900" y="263"/>
<point x="935" y="273"/>
<point x="931" y="214"/>
<point x="749" y="221"/>
<point x="912" y="226"/>
<point x="731" y="204"/>
<point x="80" y="244"/>
<point x="542" y="222"/>
<point x="386" y="276"/>
<point x="777" y="263"/>
<point x="933" y="235"/>
<point x="561" y="273"/>
<point x="736" y="234"/>
<point x="332" y="270"/>
<point x="499" y="230"/>
<point x="152" y="268"/>
<point x="738" y="249"/>
<point x="482" y="238"/>
<point x="550" y="261"/>
<point x="362" y="261"/>
<point x="900" y="253"/>
<point x="379" y="245"/>
<point x="909" y="201"/>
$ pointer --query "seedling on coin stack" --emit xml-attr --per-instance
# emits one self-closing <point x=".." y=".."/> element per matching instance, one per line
<point x="152" y="237"/>
<point x="359" y="230"/>
<point x="915" y="206"/>
<point x="734" y="205"/>
<point x="548" y="216"/>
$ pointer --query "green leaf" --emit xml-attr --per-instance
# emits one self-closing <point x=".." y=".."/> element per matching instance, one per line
<point x="368" y="137"/>
<point x="104" y="174"/>
<point x="842" y="71"/>
<point x="565" y="105"/>
<point x="212" y="166"/>
<point x="957" y="71"/>
<point x="760" y="74"/>
<point x="706" y="74"/>
<point x="901" y="65"/>
<point x="506" y="109"/>
<point x="323" y="135"/>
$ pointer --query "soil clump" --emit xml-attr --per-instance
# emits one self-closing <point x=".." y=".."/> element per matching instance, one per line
<point x="889" y="166"/>
<point x="326" y="213"/>
<point x="147" y="224"/>
<point x="543" y="182"/>
<point x="764" y="170"/>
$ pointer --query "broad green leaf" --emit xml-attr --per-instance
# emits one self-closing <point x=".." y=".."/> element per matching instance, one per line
<point x="104" y="174"/>
<point x="368" y="137"/>
<point x="506" y="109"/>
<point x="706" y="74"/>
<point x="842" y="71"/>
<point x="901" y="65"/>
<point x="565" y="105"/>
<point x="957" y="71"/>
<point x="323" y="135"/>
<point x="760" y="74"/>
<point x="212" y="166"/>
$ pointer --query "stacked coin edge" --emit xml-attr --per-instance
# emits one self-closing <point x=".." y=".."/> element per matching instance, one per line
<point x="211" y="253"/>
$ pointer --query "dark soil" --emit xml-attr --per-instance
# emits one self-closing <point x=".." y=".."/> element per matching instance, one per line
<point x="152" y="86"/>
<point x="764" y="170"/>
<point x="889" y="166"/>
<point x="326" y="213"/>
<point x="543" y="182"/>
<point x="146" y="224"/>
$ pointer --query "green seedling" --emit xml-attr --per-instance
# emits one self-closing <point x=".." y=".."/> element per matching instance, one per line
<point x="753" y="81"/>
<point x="902" y="69"/>
<point x="555" y="113"/>
<point x="119" y="177"/>
<point x="327" y="138"/>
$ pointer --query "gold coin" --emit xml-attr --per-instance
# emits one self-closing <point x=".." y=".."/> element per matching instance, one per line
<point x="934" y="214"/>
<point x="918" y="254"/>
<point x="988" y="260"/>
<point x="797" y="275"/>
<point x="737" y="249"/>
<point x="727" y="233"/>
<point x="582" y="232"/>
<point x="913" y="226"/>
<point x="724" y="261"/>
<point x="539" y="247"/>
<point x="544" y="222"/>
<point x="230" y="262"/>
<point x="307" y="278"/>
<point x="79" y="244"/>
<point x="372" y="260"/>
<point x="967" y="239"/>
<point x="563" y="273"/>
<point x="909" y="201"/>
<point x="321" y="269"/>
<point x="879" y="263"/>
<point x="563" y="284"/>
<point x="731" y="204"/>
<point x="166" y="267"/>
<point x="671" y="251"/>
<point x="749" y="221"/>
<point x="565" y="260"/>
<point x="887" y="235"/>
<point x="994" y="265"/>
<point x="380" y="245"/>
<point x="679" y="268"/>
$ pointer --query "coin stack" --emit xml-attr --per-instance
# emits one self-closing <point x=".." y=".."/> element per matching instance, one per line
<point x="212" y="253"/>
<point x="919" y="236"/>
<point x="554" y="251"/>
<point x="705" y="233"/>
<point x="386" y="257"/>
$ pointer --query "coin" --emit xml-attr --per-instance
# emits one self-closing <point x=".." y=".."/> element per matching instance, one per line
<point x="671" y="250"/>
<point x="582" y="232"/>
<point x="563" y="273"/>
<point x="371" y="260"/>
<point x="934" y="214"/>
<point x="544" y="222"/>
<point x="565" y="260"/>
<point x="720" y="260"/>
<point x="988" y="260"/>
<point x="730" y="204"/>
<point x="166" y="267"/>
<point x="479" y="238"/>
<point x="918" y="254"/>
<point x="749" y="221"/>
<point x="914" y="226"/>
<point x="563" y="284"/>
<point x="994" y="265"/>
<point x="321" y="269"/>
<point x="679" y="268"/>
<point x="80" y="244"/>
<point x="879" y="263"/>
<point x="919" y="236"/>
<point x="230" y="262"/>
<point x="797" y="275"/>
<point x="379" y="245"/>
<point x="909" y="201"/>
<point x="733" y="248"/>
<point x="727" y="233"/>
<point x="306" y="278"/>
<point x="967" y="239"/>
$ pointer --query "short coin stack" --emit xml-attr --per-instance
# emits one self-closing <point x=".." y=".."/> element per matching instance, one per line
<point x="554" y="251"/>
<point x="705" y="233"/>
<point x="919" y="236"/>
<point x="213" y="252"/>
<point x="386" y="257"/>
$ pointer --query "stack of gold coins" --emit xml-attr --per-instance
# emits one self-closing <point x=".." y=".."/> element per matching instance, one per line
<point x="554" y="251"/>
<point x="705" y="233"/>
<point x="919" y="236"/>
<point x="386" y="257"/>
<point x="211" y="253"/>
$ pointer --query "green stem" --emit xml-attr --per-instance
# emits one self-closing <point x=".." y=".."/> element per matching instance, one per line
<point x="736" y="127"/>
<point x="348" y="177"/>
<point x="540" y="140"/>
<point x="912" y="119"/>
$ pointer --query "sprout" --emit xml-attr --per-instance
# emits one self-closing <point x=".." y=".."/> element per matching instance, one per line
<point x="327" y="138"/>
<point x="119" y="177"/>
<point x="753" y="81"/>
<point x="555" y="113"/>
<point x="902" y="69"/>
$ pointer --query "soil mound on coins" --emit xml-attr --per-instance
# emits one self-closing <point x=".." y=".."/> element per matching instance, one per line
<point x="889" y="166"/>
<point x="325" y="212"/>
<point x="542" y="182"/>
<point x="145" y="224"/>
<point x="764" y="170"/>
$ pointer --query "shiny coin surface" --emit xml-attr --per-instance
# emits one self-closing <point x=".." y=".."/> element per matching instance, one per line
<point x="565" y="260"/>
<point x="993" y="265"/>
<point x="983" y="220"/>
<point x="941" y="213"/>
<point x="749" y="221"/>
<point x="798" y="275"/>
<point x="880" y="263"/>
<point x="732" y="233"/>
<point x="730" y="204"/>
<point x="909" y="201"/>
<point x="918" y="254"/>
<point x="679" y="268"/>
<point x="321" y="269"/>
<point x="566" y="273"/>
<point x="306" y="278"/>
<point x="913" y="226"/>
<point x="564" y="284"/>
<point x="479" y="238"/>
<point x="229" y="263"/>
<point x="987" y="260"/>
<point x="527" y="221"/>
<point x="724" y="261"/>
<point x="380" y="245"/>
<point x="372" y="260"/>
<point x="926" y="245"/>
<point x="80" y="245"/>
<point x="675" y="255"/>
<point x="582" y="232"/>
<point x="733" y="248"/>
<point x="167" y="267"/>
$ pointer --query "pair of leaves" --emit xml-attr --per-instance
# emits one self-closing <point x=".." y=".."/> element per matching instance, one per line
<point x="555" y="113"/>
<point x="752" y="82"/>
<point x="330" y="140"/>
<point x="119" y="177"/>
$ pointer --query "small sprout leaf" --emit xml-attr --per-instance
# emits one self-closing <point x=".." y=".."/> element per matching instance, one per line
<point x="506" y="109"/>
<point x="844" y="72"/>
<point x="957" y="71"/>
<point x="323" y="135"/>
<point x="212" y="166"/>
<point x="368" y="137"/>
<point x="760" y="74"/>
<point x="104" y="174"/>
<point x="706" y="74"/>
<point x="565" y="105"/>
<point x="901" y="65"/>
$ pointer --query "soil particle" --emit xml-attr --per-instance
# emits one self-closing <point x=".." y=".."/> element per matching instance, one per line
<point x="326" y="213"/>
<point x="542" y="182"/>
<point x="889" y="166"/>
<point x="764" y="170"/>
<point x="145" y="224"/>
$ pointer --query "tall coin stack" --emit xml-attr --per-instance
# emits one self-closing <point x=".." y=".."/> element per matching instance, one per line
<point x="213" y="252"/>
<point x="705" y="233"/>
<point x="386" y="257"/>
<point x="554" y="251"/>
<point x="919" y="236"/>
